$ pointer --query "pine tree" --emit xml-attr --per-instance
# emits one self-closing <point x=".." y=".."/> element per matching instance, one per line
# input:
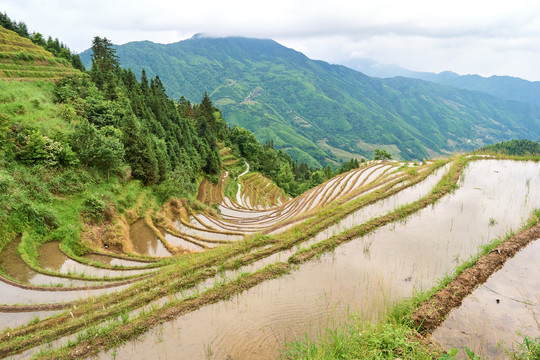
<point x="105" y="66"/>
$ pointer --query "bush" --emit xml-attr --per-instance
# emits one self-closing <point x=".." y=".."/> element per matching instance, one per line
<point x="94" y="207"/>
<point x="68" y="182"/>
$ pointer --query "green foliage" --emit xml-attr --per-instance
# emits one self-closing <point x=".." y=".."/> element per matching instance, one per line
<point x="528" y="349"/>
<point x="105" y="66"/>
<point x="379" y="154"/>
<point x="101" y="148"/>
<point x="94" y="207"/>
<point x="471" y="355"/>
<point x="281" y="95"/>
<point x="514" y="148"/>
<point x="360" y="341"/>
<point x="35" y="148"/>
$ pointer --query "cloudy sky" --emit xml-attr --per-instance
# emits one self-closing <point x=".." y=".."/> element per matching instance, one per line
<point x="486" y="37"/>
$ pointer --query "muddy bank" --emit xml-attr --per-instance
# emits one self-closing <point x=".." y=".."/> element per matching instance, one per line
<point x="498" y="313"/>
<point x="432" y="313"/>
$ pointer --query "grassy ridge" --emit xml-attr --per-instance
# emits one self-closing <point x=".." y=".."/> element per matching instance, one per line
<point x="21" y="59"/>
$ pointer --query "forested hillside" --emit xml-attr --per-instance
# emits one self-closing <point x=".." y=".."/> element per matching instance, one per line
<point x="504" y="87"/>
<point x="321" y="113"/>
<point x="88" y="146"/>
<point x="514" y="148"/>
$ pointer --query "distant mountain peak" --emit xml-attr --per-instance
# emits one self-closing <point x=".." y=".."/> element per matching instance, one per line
<point x="201" y="36"/>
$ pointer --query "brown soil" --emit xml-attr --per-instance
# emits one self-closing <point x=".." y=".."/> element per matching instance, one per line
<point x="432" y="313"/>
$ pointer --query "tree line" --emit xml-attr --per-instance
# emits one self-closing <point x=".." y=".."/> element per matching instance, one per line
<point x="126" y="127"/>
<point x="57" y="48"/>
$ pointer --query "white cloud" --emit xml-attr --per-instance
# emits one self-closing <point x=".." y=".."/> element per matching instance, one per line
<point x="485" y="37"/>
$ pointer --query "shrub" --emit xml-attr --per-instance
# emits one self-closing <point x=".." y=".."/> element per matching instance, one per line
<point x="68" y="182"/>
<point x="94" y="207"/>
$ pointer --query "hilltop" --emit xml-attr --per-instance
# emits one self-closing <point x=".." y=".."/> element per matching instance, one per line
<point x="321" y="113"/>
<point x="21" y="59"/>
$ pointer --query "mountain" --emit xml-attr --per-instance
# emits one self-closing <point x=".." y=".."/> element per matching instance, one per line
<point x="505" y="87"/>
<point x="321" y="113"/>
<point x="373" y="68"/>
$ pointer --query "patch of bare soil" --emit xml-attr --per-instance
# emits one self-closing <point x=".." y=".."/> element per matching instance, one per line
<point x="432" y="313"/>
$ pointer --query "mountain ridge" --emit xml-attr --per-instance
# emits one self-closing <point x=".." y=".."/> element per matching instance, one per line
<point x="503" y="86"/>
<point x="322" y="113"/>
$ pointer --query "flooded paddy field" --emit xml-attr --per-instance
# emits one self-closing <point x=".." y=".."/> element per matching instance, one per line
<point x="496" y="316"/>
<point x="364" y="276"/>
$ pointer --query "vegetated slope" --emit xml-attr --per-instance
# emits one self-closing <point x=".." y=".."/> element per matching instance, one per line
<point x="514" y="148"/>
<point x="321" y="113"/>
<point x="21" y="59"/>
<point x="505" y="87"/>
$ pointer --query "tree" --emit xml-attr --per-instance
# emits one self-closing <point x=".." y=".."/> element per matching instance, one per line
<point x="139" y="149"/>
<point x="381" y="155"/>
<point x="101" y="148"/>
<point x="77" y="62"/>
<point x="105" y="66"/>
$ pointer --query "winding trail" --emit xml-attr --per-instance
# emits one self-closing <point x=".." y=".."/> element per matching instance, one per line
<point x="239" y="192"/>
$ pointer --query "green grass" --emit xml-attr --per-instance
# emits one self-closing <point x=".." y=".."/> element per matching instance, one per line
<point x="359" y="340"/>
<point x="31" y="104"/>
<point x="22" y="59"/>
<point x="528" y="349"/>
<point x="231" y="189"/>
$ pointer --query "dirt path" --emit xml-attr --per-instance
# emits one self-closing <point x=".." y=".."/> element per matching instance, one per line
<point x="239" y="192"/>
<point x="432" y="313"/>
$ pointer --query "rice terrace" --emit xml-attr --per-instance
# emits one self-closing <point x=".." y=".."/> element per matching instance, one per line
<point x="134" y="226"/>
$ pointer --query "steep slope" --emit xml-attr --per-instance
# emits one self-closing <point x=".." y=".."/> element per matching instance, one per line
<point x="323" y="113"/>
<point x="20" y="59"/>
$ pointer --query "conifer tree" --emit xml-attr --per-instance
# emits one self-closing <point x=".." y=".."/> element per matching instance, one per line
<point x="105" y="66"/>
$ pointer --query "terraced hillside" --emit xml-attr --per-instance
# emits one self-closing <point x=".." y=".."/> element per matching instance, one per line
<point x="20" y="59"/>
<point x="179" y="260"/>
<point x="240" y="189"/>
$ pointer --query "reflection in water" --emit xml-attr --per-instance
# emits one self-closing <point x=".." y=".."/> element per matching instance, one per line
<point x="181" y="243"/>
<point x="12" y="320"/>
<point x="114" y="261"/>
<point x="50" y="257"/>
<point x="145" y="241"/>
<point x="363" y="276"/>
<point x="12" y="264"/>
